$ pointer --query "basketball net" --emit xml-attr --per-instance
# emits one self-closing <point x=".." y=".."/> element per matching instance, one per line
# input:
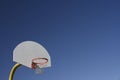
<point x="39" y="70"/>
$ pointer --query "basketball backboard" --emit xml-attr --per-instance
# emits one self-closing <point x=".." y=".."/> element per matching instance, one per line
<point x="31" y="54"/>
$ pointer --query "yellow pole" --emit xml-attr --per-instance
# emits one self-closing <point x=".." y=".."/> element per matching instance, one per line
<point x="13" y="71"/>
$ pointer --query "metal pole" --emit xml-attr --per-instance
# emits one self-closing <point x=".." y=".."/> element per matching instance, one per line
<point x="13" y="71"/>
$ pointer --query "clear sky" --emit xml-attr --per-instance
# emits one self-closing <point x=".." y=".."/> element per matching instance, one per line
<point x="82" y="37"/>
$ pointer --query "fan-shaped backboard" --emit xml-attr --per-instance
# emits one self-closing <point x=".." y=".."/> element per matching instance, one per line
<point x="28" y="50"/>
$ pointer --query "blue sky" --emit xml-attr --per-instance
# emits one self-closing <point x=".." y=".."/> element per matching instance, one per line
<point x="82" y="37"/>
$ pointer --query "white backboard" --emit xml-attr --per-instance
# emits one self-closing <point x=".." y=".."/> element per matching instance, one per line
<point x="28" y="50"/>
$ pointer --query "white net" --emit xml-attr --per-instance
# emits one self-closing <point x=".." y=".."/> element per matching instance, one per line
<point x="39" y="70"/>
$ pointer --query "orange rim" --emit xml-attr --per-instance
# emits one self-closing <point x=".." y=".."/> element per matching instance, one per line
<point x="33" y="65"/>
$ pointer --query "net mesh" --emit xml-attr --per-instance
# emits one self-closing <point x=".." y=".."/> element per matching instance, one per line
<point x="39" y="70"/>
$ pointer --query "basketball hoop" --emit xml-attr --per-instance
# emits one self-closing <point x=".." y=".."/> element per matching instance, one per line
<point x="32" y="55"/>
<point x="38" y="64"/>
